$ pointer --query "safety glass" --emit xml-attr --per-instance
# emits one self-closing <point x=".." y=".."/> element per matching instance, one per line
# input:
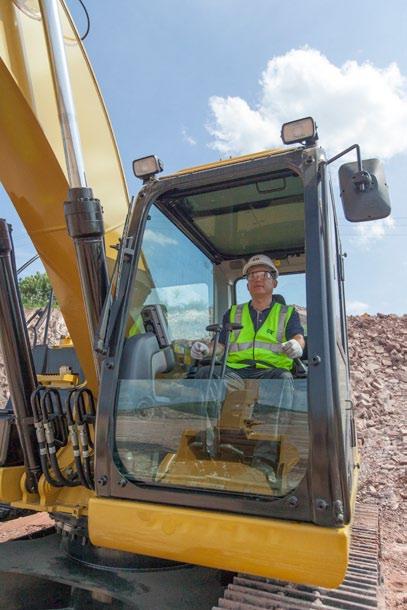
<point x="259" y="275"/>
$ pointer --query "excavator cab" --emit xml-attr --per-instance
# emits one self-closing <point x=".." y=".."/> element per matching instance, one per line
<point x="201" y="458"/>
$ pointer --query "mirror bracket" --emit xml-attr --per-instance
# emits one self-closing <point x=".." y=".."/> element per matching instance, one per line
<point x="362" y="180"/>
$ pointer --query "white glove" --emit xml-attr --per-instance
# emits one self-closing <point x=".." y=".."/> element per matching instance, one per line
<point x="292" y="349"/>
<point x="199" y="350"/>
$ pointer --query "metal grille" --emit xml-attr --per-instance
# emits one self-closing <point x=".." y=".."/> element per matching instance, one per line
<point x="358" y="590"/>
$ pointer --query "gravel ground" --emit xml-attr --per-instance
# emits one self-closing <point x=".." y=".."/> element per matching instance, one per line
<point x="378" y="354"/>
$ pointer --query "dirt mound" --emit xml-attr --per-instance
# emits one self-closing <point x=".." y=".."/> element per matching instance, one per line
<point x="378" y="355"/>
<point x="56" y="330"/>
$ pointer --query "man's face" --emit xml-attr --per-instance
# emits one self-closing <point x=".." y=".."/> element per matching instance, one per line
<point x="259" y="281"/>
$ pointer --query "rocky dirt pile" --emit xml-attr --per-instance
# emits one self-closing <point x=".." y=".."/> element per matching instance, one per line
<point x="378" y="356"/>
<point x="57" y="329"/>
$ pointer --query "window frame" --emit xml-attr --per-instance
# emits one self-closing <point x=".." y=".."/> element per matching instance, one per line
<point x="317" y="496"/>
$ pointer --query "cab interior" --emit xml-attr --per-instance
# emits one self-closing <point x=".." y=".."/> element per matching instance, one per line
<point x="174" y="429"/>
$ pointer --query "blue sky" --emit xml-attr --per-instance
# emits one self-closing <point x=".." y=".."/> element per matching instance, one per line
<point x="196" y="80"/>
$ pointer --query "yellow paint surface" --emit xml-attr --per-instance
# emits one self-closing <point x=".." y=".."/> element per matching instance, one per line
<point x="285" y="550"/>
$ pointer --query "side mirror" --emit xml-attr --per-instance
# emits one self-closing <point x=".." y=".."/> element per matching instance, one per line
<point x="365" y="194"/>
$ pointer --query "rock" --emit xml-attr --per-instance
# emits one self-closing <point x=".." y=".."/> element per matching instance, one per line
<point x="377" y="385"/>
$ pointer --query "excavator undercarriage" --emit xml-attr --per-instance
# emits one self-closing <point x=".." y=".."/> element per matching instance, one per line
<point x="47" y="575"/>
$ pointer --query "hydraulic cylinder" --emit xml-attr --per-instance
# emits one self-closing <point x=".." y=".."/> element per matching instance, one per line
<point x="17" y="355"/>
<point x="83" y="214"/>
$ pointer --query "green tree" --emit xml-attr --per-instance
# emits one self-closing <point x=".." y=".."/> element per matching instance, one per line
<point x="35" y="290"/>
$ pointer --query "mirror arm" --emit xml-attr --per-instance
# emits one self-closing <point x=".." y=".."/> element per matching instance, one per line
<point x="362" y="180"/>
<point x="344" y="152"/>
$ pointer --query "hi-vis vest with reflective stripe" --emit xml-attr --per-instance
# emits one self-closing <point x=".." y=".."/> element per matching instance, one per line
<point x="250" y="348"/>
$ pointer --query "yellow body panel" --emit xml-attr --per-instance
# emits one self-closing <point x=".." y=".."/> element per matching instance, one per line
<point x="266" y="547"/>
<point x="66" y="380"/>
<point x="32" y="168"/>
<point x="10" y="483"/>
<point x="72" y="500"/>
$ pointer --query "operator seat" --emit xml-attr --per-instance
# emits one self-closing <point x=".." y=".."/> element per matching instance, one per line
<point x="147" y="354"/>
<point x="143" y="359"/>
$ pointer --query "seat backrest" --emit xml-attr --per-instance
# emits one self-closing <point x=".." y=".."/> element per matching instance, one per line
<point x="278" y="298"/>
<point x="142" y="358"/>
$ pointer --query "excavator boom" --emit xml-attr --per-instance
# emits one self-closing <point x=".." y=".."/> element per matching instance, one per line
<point x="33" y="169"/>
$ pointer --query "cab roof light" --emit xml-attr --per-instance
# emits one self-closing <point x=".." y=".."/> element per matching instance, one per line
<point x="302" y="130"/>
<point x="146" y="167"/>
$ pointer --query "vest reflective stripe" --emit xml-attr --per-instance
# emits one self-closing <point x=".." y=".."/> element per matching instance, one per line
<point x="262" y="347"/>
<point x="237" y="320"/>
<point x="282" y="323"/>
<point x="238" y="347"/>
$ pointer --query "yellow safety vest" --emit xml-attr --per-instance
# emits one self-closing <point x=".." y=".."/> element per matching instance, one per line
<point x="137" y="328"/>
<point x="251" y="348"/>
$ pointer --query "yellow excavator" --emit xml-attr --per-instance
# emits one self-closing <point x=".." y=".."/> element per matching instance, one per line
<point x="167" y="486"/>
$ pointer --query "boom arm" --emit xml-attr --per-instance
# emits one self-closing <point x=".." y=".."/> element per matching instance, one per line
<point x="32" y="167"/>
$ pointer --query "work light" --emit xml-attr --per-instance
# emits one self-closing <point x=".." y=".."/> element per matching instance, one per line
<point x="147" y="166"/>
<point x="302" y="130"/>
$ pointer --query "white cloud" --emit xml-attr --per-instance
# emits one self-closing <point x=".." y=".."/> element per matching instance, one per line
<point x="367" y="234"/>
<point x="356" y="307"/>
<point x="159" y="238"/>
<point x="187" y="138"/>
<point x="184" y="295"/>
<point x="355" y="102"/>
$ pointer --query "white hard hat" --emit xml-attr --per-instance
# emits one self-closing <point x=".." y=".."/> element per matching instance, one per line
<point x="261" y="259"/>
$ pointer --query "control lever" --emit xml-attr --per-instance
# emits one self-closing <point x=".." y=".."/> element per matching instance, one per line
<point x="214" y="328"/>
<point x="212" y="442"/>
<point x="209" y="436"/>
<point x="277" y="348"/>
<point x="301" y="366"/>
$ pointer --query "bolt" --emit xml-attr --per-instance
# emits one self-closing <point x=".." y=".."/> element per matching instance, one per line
<point x="293" y="501"/>
<point x="322" y="504"/>
<point x="339" y="516"/>
<point x="316" y="360"/>
<point x="102" y="480"/>
<point x="122" y="482"/>
<point x="109" y="364"/>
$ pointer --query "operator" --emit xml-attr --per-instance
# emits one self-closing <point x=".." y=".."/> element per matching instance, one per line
<point x="272" y="334"/>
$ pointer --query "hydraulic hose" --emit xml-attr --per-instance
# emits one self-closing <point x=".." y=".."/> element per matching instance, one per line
<point x="82" y="417"/>
<point x="73" y="433"/>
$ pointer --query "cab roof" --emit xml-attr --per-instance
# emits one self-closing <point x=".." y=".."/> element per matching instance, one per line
<point x="240" y="159"/>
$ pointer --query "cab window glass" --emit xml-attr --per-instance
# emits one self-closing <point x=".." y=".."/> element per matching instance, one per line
<point x="291" y="287"/>
<point x="176" y="276"/>
<point x="177" y="427"/>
